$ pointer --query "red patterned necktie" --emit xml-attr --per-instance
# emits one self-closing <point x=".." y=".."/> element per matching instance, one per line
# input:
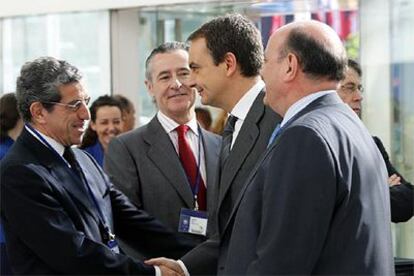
<point x="190" y="166"/>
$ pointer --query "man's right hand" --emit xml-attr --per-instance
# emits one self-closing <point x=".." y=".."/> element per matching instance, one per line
<point x="167" y="265"/>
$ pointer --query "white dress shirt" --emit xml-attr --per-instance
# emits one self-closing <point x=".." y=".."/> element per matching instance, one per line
<point x="243" y="106"/>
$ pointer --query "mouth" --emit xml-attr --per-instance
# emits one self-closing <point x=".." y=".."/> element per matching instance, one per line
<point x="357" y="110"/>
<point x="177" y="95"/>
<point x="81" y="127"/>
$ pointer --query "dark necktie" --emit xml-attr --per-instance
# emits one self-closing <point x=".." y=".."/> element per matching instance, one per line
<point x="227" y="139"/>
<point x="190" y="166"/>
<point x="70" y="157"/>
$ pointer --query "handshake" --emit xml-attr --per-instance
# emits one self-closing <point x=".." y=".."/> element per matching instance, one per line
<point x="168" y="267"/>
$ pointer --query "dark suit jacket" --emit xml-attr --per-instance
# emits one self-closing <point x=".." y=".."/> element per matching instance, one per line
<point x="145" y="166"/>
<point x="251" y="142"/>
<point x="52" y="226"/>
<point x="318" y="203"/>
<point x="402" y="196"/>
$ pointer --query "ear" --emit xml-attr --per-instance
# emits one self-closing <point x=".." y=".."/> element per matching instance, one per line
<point x="292" y="67"/>
<point x="149" y="86"/>
<point x="230" y="62"/>
<point x="38" y="113"/>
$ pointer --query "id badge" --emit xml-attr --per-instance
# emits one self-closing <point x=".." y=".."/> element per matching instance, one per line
<point x="194" y="222"/>
<point x="111" y="242"/>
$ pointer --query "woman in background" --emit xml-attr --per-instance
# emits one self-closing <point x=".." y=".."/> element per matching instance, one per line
<point x="10" y="127"/>
<point x="10" y="122"/>
<point x="106" y="123"/>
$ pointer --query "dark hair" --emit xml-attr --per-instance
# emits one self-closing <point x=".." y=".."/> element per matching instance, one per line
<point x="236" y="34"/>
<point x="205" y="116"/>
<point x="166" y="47"/>
<point x="316" y="60"/>
<point x="9" y="116"/>
<point x="124" y="102"/>
<point x="355" y="66"/>
<point x="90" y="136"/>
<point x="39" y="81"/>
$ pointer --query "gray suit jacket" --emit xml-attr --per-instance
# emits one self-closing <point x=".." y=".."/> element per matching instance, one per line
<point x="251" y="142"/>
<point x="318" y="203"/>
<point x="145" y="166"/>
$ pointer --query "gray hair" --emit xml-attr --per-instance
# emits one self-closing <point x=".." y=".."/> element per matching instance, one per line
<point x="39" y="81"/>
<point x="166" y="47"/>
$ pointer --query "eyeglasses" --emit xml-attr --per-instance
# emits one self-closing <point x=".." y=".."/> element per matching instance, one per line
<point x="352" y="88"/>
<point x="73" y="106"/>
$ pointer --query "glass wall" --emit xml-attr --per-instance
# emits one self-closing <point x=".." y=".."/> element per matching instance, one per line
<point x="80" y="38"/>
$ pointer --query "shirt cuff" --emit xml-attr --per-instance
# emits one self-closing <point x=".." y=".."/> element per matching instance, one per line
<point x="182" y="265"/>
<point x="157" y="271"/>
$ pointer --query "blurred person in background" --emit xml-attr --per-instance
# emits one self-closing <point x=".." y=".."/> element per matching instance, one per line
<point x="11" y="126"/>
<point x="10" y="122"/>
<point x="106" y="123"/>
<point x="203" y="116"/>
<point x="128" y="112"/>
<point x="401" y="191"/>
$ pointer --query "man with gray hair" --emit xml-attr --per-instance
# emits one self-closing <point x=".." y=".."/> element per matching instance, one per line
<point x="59" y="210"/>
<point x="151" y="164"/>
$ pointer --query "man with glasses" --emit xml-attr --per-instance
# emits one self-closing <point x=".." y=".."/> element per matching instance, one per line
<point x="60" y="212"/>
<point x="401" y="191"/>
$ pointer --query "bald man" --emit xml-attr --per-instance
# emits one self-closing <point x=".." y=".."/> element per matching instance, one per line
<point x="318" y="201"/>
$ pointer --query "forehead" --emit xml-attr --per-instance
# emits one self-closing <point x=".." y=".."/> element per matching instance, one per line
<point x="72" y="90"/>
<point x="108" y="111"/>
<point x="170" y="61"/>
<point x="351" y="76"/>
<point x="198" y="49"/>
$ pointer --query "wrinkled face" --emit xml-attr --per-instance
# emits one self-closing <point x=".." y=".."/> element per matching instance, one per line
<point x="272" y="72"/>
<point x="209" y="78"/>
<point x="170" y="83"/>
<point x="350" y="90"/>
<point x="66" y="124"/>
<point x="108" y="123"/>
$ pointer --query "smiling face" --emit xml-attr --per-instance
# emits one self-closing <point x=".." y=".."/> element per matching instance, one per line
<point x="170" y="85"/>
<point x="210" y="78"/>
<point x="62" y="123"/>
<point x="108" y="124"/>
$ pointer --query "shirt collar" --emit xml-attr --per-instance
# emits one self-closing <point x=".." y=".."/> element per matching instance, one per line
<point x="302" y="103"/>
<point x="58" y="147"/>
<point x="242" y="107"/>
<point x="170" y="125"/>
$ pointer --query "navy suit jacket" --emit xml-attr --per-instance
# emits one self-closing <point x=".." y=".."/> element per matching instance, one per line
<point x="52" y="226"/>
<point x="318" y="202"/>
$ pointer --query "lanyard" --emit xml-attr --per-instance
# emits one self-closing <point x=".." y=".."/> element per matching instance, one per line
<point x="91" y="195"/>
<point x="195" y="187"/>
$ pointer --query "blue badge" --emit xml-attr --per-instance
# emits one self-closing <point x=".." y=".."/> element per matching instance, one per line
<point x="192" y="221"/>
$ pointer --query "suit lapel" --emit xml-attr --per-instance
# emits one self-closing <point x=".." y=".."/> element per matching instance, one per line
<point x="211" y="153"/>
<point x="162" y="153"/>
<point x="61" y="174"/>
<point x="322" y="101"/>
<point x="245" y="141"/>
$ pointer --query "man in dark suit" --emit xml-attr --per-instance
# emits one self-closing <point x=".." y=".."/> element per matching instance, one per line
<point x="226" y="55"/>
<point x="401" y="191"/>
<point x="318" y="201"/>
<point x="60" y="211"/>
<point x="145" y="163"/>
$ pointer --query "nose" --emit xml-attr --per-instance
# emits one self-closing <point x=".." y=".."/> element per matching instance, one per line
<point x="83" y="112"/>
<point x="176" y="83"/>
<point x="358" y="96"/>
